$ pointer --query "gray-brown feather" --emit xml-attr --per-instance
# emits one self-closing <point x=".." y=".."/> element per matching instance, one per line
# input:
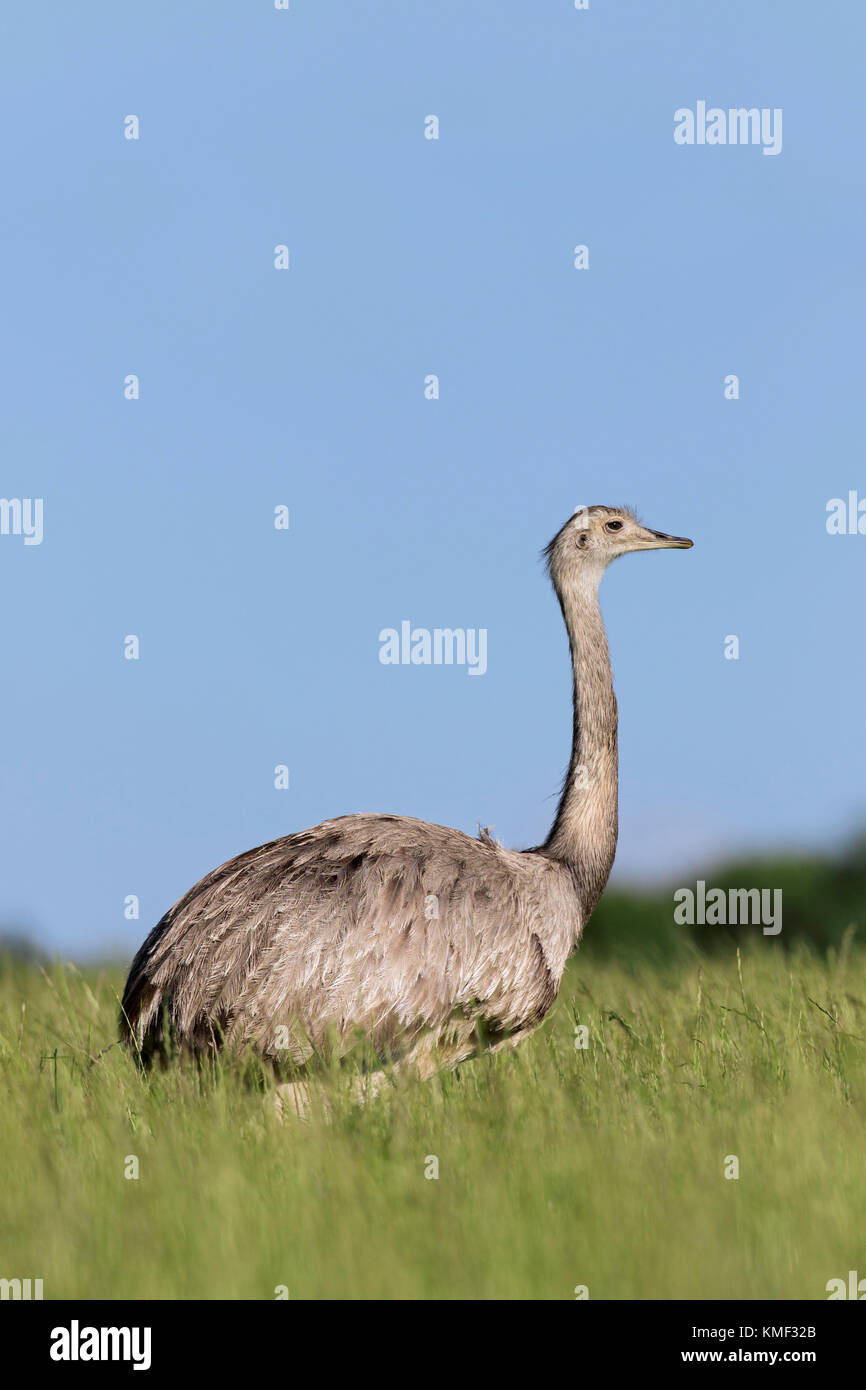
<point x="373" y="925"/>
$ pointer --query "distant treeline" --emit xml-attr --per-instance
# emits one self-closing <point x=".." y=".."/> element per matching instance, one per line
<point x="822" y="896"/>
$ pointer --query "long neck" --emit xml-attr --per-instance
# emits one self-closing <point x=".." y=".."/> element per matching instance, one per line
<point x="584" y="833"/>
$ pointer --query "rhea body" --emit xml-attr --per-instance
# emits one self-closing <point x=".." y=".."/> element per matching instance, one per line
<point x="429" y="943"/>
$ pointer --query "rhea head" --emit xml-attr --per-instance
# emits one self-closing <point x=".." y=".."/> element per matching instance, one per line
<point x="594" y="536"/>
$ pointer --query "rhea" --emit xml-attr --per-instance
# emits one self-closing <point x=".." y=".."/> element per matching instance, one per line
<point x="430" y="944"/>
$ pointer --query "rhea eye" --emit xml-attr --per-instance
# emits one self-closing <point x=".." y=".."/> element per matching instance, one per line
<point x="613" y="526"/>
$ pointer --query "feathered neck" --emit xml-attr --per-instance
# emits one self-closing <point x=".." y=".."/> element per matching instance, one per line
<point x="584" y="833"/>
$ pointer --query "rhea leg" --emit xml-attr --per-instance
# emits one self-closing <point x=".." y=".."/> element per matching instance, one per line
<point x="422" y="1062"/>
<point x="292" y="1097"/>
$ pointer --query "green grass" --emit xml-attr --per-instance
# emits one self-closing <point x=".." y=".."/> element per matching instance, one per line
<point x="557" y="1166"/>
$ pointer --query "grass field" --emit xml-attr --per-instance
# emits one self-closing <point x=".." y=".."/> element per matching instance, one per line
<point x="558" y="1166"/>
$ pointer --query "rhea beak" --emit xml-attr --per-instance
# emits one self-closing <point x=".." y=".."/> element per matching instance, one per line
<point x="659" y="540"/>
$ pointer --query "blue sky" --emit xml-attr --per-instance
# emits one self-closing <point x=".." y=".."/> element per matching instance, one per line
<point x="306" y="388"/>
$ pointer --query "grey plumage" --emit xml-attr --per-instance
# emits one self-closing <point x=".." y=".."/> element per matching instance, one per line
<point x="425" y="941"/>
